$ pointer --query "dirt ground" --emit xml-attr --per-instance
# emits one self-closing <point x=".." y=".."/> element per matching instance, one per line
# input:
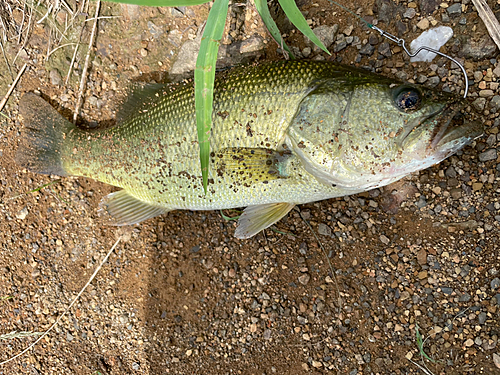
<point x="180" y="294"/>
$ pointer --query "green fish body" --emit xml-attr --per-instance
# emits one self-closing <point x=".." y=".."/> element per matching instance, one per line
<point x="283" y="133"/>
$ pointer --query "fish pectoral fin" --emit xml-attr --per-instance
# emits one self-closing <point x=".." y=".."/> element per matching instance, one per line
<point x="251" y="165"/>
<point x="259" y="217"/>
<point x="125" y="209"/>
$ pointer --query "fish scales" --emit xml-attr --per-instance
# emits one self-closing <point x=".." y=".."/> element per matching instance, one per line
<point x="155" y="156"/>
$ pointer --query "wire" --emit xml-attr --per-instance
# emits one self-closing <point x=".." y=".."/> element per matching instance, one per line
<point x="401" y="42"/>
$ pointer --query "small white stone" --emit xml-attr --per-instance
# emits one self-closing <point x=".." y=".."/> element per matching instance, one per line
<point x="21" y="215"/>
<point x="434" y="38"/>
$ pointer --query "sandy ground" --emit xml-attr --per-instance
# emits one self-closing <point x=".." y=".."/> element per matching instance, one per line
<point x="180" y="294"/>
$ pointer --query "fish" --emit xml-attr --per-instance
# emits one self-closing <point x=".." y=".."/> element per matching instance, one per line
<point x="283" y="134"/>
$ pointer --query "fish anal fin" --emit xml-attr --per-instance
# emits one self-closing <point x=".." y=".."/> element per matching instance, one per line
<point x="124" y="209"/>
<point x="259" y="217"/>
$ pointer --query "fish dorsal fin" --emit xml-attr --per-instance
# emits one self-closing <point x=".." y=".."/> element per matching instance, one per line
<point x="124" y="209"/>
<point x="140" y="97"/>
<point x="259" y="217"/>
<point x="251" y="165"/>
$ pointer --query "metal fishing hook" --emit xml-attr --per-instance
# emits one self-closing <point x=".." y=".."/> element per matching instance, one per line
<point x="400" y="42"/>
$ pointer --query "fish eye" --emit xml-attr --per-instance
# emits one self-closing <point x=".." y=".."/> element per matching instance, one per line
<point x="408" y="99"/>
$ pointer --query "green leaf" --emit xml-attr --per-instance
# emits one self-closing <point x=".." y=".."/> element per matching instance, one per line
<point x="229" y="218"/>
<point x="43" y="186"/>
<point x="204" y="76"/>
<point x="263" y="10"/>
<point x="295" y="16"/>
<point x="161" y="3"/>
<point x="420" y="344"/>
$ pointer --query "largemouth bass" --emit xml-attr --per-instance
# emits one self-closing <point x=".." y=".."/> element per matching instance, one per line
<point x="283" y="133"/>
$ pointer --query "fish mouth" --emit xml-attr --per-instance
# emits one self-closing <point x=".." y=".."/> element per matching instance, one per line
<point x="453" y="131"/>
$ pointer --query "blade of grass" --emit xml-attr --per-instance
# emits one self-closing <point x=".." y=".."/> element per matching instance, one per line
<point x="43" y="186"/>
<point x="420" y="345"/>
<point x="296" y="17"/>
<point x="264" y="13"/>
<point x="229" y="218"/>
<point x="204" y="76"/>
<point x="161" y="3"/>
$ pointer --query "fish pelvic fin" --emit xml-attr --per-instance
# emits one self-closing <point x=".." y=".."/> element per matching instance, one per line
<point x="124" y="209"/>
<point x="42" y="138"/>
<point x="259" y="217"/>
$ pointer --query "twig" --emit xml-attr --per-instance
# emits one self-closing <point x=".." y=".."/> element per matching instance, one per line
<point x="27" y="35"/>
<point x="18" y="335"/>
<point x="489" y="20"/>
<point x="73" y="58"/>
<point x="101" y="18"/>
<point x="68" y="8"/>
<point x="11" y="88"/>
<point x="87" y="59"/>
<point x="46" y="14"/>
<point x="426" y="371"/>
<point x="55" y="49"/>
<point x="68" y="308"/>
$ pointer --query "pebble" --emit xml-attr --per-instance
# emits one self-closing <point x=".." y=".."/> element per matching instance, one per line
<point x="495" y="103"/>
<point x="454" y="10"/>
<point x="253" y="44"/>
<point x="410" y="13"/>
<point x="156" y="31"/>
<point x="486" y="93"/>
<point x="496" y="360"/>
<point x="423" y="24"/>
<point x="490" y="154"/>
<point x="186" y="58"/>
<point x="384" y="240"/>
<point x="304" y="279"/>
<point x="339" y="46"/>
<point x="316" y="364"/>
<point x="178" y="12"/>
<point x="478" y="49"/>
<point x="385" y="50"/>
<point x="21" y="215"/>
<point x="495" y="283"/>
<point x="469" y="342"/>
<point x="482" y="318"/>
<point x="324" y="230"/>
<point x="479" y="104"/>
<point x="324" y="33"/>
<point x="422" y="257"/>
<point x="267" y="334"/>
<point x="367" y="50"/>
<point x="93" y="101"/>
<point x="433" y="81"/>
<point x="466" y="297"/>
<point x="55" y="77"/>
<point x="446" y="290"/>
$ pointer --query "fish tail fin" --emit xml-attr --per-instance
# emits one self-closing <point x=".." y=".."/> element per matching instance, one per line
<point x="43" y="136"/>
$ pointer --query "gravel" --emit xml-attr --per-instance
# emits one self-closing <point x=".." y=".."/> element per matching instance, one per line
<point x="181" y="294"/>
